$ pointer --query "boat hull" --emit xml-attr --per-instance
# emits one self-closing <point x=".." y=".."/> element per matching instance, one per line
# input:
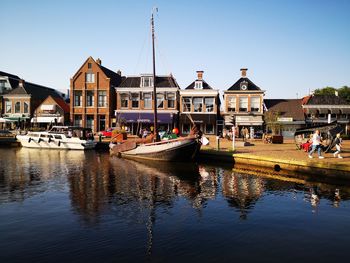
<point x="29" y="142"/>
<point x="173" y="151"/>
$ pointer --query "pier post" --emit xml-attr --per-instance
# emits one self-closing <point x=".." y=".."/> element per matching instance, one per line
<point x="218" y="143"/>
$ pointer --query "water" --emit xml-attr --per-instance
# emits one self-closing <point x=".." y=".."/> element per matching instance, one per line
<point x="70" y="206"/>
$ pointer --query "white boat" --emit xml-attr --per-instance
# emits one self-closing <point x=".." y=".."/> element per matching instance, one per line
<point x="59" y="137"/>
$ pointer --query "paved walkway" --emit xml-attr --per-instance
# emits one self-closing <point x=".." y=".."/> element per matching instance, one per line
<point x="285" y="151"/>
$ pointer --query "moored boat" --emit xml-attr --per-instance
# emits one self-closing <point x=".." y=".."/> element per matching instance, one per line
<point x="180" y="149"/>
<point x="59" y="137"/>
<point x="6" y="137"/>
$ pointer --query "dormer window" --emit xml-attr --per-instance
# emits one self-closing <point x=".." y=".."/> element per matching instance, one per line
<point x="198" y="85"/>
<point x="146" y="81"/>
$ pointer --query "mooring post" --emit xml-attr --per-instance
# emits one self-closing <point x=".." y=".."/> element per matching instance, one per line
<point x="218" y="143"/>
<point x="233" y="137"/>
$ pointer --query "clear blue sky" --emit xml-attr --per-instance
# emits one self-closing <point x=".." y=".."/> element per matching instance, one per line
<point x="289" y="47"/>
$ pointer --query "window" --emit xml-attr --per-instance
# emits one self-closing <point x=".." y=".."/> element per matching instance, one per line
<point x="147" y="81"/>
<point x="209" y="104"/>
<point x="102" y="98"/>
<point x="135" y="100"/>
<point x="186" y="128"/>
<point x="89" y="66"/>
<point x="171" y="100"/>
<point x="255" y="104"/>
<point x="25" y="107"/>
<point x="160" y="101"/>
<point x="78" y="98"/>
<point x="90" y="122"/>
<point x="89" y="98"/>
<point x="124" y="99"/>
<point x="2" y="83"/>
<point x="231" y="104"/>
<point x="8" y="106"/>
<point x="147" y="99"/>
<point x="198" y="85"/>
<point x="17" y="107"/>
<point x="187" y="104"/>
<point x="209" y="128"/>
<point x="78" y="121"/>
<point x="198" y="104"/>
<point x="243" y="104"/>
<point x="89" y="77"/>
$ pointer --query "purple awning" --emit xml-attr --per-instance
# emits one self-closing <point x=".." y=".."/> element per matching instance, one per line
<point x="146" y="117"/>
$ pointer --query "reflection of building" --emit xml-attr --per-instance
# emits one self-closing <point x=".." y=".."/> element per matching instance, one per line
<point x="244" y="104"/>
<point x="319" y="108"/>
<point x="242" y="190"/>
<point x="135" y="102"/>
<point x="202" y="103"/>
<point x="92" y="95"/>
<point x="290" y="114"/>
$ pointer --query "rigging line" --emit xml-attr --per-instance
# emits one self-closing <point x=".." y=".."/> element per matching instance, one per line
<point x="162" y="57"/>
<point x="146" y="39"/>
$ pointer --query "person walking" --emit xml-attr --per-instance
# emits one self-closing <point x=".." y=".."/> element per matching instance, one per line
<point x="316" y="145"/>
<point x="338" y="146"/>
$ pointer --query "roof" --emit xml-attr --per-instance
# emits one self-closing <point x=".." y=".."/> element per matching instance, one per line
<point x="251" y="85"/>
<point x="326" y="100"/>
<point x="162" y="82"/>
<point x="62" y="104"/>
<point x="115" y="77"/>
<point x="13" y="79"/>
<point x="205" y="85"/>
<point x="36" y="91"/>
<point x="291" y="108"/>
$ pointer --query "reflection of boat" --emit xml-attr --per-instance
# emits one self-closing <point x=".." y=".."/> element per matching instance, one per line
<point x="59" y="137"/>
<point x="7" y="137"/>
<point x="180" y="149"/>
<point x="328" y="133"/>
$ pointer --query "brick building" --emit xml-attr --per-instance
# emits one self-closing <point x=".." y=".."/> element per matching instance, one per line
<point x="135" y="102"/>
<point x="92" y="92"/>
<point x="243" y="104"/>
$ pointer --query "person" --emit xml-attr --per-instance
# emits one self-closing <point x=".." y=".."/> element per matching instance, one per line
<point x="316" y="145"/>
<point x="338" y="146"/>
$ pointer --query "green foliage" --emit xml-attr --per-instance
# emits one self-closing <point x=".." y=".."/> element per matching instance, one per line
<point x="343" y="92"/>
<point x="271" y="118"/>
<point x="325" y="91"/>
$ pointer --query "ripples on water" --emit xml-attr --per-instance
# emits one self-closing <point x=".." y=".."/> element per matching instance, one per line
<point x="70" y="206"/>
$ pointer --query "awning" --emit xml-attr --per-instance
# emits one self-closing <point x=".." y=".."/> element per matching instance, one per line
<point x="198" y="118"/>
<point x="14" y="119"/>
<point x="3" y="120"/>
<point x="47" y="119"/>
<point x="132" y="117"/>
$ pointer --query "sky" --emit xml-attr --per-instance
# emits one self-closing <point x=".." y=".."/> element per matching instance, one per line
<point x="290" y="47"/>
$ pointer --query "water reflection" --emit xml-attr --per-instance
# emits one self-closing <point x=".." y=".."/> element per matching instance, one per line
<point x="128" y="194"/>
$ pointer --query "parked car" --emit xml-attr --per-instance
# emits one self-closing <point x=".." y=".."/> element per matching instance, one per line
<point x="107" y="133"/>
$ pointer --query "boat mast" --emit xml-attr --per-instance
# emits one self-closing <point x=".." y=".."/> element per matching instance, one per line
<point x="154" y="80"/>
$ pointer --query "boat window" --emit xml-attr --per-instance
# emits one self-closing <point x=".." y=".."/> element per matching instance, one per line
<point x="43" y="135"/>
<point x="50" y="136"/>
<point x="58" y="137"/>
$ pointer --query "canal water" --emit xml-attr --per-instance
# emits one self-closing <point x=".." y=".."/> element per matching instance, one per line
<point x="71" y="206"/>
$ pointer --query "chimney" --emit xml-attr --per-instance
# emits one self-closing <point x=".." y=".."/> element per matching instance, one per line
<point x="98" y="61"/>
<point x="336" y="93"/>
<point x="119" y="72"/>
<point x="68" y="95"/>
<point x="21" y="83"/>
<point x="200" y="74"/>
<point x="244" y="72"/>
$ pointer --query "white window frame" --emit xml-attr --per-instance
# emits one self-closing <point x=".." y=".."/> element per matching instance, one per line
<point x="8" y="105"/>
<point x="198" y="85"/>
<point x="149" y="100"/>
<point x="252" y="99"/>
<point x="90" y="77"/>
<point x="240" y="104"/>
<point x="184" y="104"/>
<point x="146" y="81"/>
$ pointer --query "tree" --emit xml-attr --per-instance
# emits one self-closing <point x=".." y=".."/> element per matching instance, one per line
<point x="325" y="91"/>
<point x="271" y="120"/>
<point x="344" y="92"/>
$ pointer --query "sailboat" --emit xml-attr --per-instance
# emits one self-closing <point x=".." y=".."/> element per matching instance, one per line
<point x="179" y="149"/>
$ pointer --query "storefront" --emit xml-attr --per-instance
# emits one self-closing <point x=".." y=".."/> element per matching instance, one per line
<point x="205" y="122"/>
<point x="134" y="122"/>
